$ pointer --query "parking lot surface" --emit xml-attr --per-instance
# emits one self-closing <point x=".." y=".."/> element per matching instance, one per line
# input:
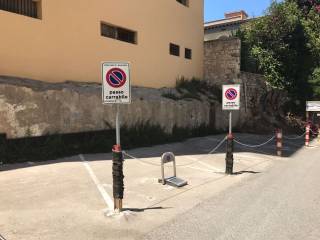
<point x="71" y="198"/>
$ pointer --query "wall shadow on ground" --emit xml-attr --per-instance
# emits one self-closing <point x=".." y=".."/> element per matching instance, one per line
<point x="193" y="146"/>
<point x="54" y="146"/>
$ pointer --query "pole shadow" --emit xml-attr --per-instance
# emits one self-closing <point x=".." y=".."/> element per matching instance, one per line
<point x="243" y="172"/>
<point x="2" y="238"/>
<point x="144" y="209"/>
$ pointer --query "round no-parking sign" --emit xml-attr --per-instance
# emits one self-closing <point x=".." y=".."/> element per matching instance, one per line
<point x="116" y="77"/>
<point x="231" y="97"/>
<point x="231" y="94"/>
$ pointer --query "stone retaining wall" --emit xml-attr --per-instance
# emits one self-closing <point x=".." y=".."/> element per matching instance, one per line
<point x="35" y="108"/>
<point x="222" y="60"/>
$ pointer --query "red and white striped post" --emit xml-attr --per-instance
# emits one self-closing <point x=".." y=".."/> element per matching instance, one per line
<point x="308" y="128"/>
<point x="279" y="141"/>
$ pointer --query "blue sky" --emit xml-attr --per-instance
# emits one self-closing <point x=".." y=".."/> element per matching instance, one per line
<point x="215" y="9"/>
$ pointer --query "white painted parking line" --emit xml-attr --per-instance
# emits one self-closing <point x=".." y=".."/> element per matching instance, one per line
<point x="107" y="199"/>
<point x="201" y="169"/>
<point x="203" y="163"/>
<point x="209" y="166"/>
<point x="250" y="157"/>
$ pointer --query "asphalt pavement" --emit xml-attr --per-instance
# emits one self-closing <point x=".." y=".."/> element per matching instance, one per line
<point x="282" y="203"/>
<point x="268" y="197"/>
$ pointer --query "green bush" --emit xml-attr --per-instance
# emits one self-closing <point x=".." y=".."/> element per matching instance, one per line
<point x="284" y="46"/>
<point x="171" y="96"/>
<point x="193" y="89"/>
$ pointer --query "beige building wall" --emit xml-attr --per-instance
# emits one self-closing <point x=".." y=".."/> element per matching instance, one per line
<point x="66" y="43"/>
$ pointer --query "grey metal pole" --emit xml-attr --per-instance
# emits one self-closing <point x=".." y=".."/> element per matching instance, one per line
<point x="230" y="122"/>
<point x="118" y="124"/>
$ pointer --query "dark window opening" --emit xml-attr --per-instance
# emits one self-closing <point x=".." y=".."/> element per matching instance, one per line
<point x="188" y="53"/>
<point x="174" y="49"/>
<point x="184" y="2"/>
<point x="30" y="8"/>
<point x="118" y="33"/>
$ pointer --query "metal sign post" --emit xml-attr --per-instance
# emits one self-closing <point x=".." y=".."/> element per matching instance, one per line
<point x="230" y="122"/>
<point x="118" y="125"/>
<point x="230" y="102"/>
<point x="116" y="89"/>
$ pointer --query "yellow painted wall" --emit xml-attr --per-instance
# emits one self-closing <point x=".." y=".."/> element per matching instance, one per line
<point x="66" y="43"/>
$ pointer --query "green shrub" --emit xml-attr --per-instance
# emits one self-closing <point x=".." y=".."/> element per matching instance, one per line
<point x="193" y="89"/>
<point x="171" y="96"/>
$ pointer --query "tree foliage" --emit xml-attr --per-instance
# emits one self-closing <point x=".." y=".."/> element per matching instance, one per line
<point x="284" y="46"/>
<point x="315" y="82"/>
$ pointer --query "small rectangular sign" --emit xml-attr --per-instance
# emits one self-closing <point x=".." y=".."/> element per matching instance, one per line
<point x="116" y="87"/>
<point x="313" y="106"/>
<point x="231" y="97"/>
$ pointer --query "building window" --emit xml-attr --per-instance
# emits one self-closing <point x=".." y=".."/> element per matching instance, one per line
<point x="174" y="49"/>
<point x="184" y="2"/>
<point x="188" y="53"/>
<point x="30" y="8"/>
<point x="118" y="33"/>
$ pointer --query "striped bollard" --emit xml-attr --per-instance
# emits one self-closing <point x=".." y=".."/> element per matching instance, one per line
<point x="308" y="127"/>
<point x="279" y="142"/>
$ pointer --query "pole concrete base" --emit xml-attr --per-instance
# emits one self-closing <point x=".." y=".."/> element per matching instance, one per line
<point x="117" y="205"/>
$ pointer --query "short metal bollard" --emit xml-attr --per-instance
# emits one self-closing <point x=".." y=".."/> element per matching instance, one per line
<point x="173" y="180"/>
<point x="308" y="128"/>
<point x="229" y="155"/>
<point x="279" y="142"/>
<point x="117" y="174"/>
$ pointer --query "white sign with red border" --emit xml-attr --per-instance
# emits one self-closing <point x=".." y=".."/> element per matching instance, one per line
<point x="116" y="86"/>
<point x="313" y="106"/>
<point x="231" y="97"/>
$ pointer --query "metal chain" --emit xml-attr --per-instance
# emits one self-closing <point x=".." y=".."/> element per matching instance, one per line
<point x="255" y="146"/>
<point x="218" y="146"/>
<point x="313" y="132"/>
<point x="295" y="138"/>
<point x="212" y="151"/>
<point x="139" y="159"/>
<point x="154" y="164"/>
